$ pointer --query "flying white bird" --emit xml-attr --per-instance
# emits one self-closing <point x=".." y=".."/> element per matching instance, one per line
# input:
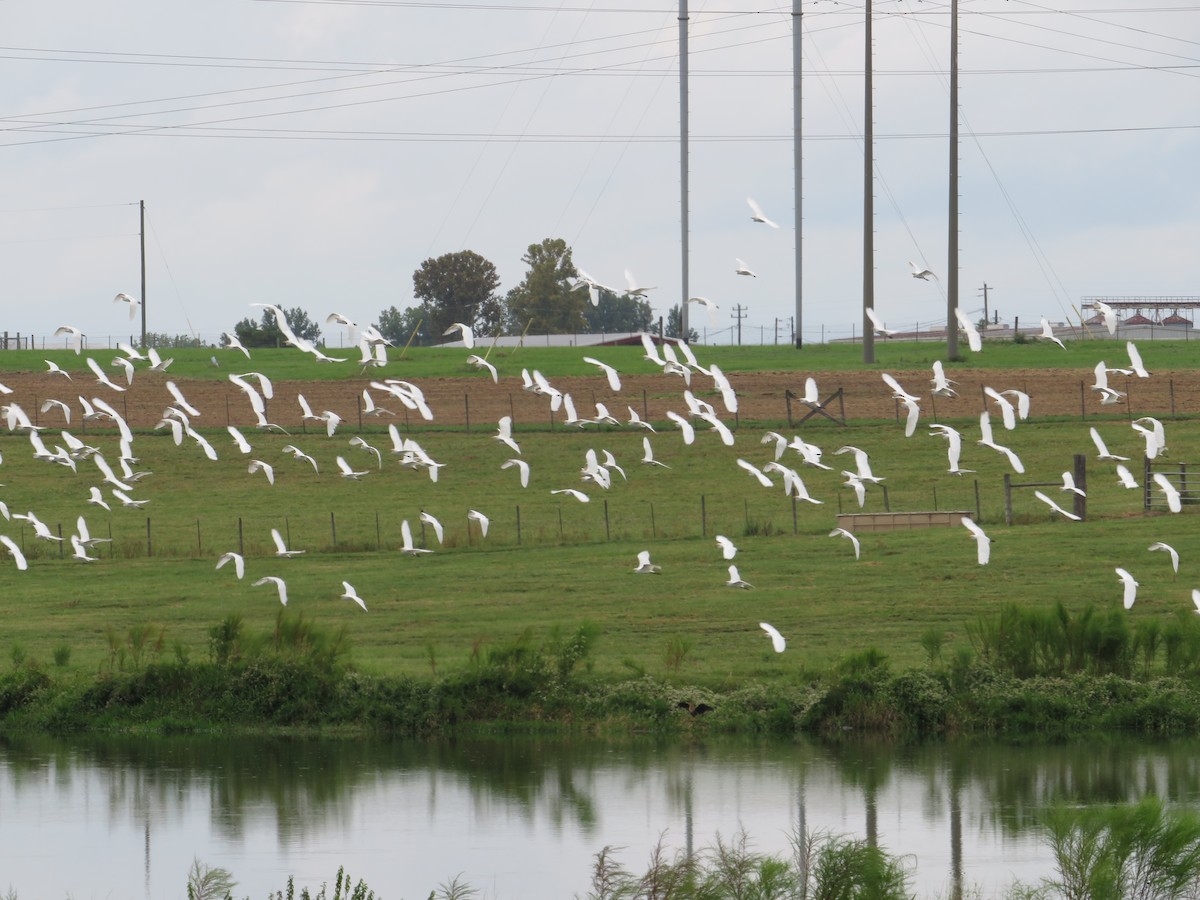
<point x="504" y="433"/>
<point x="689" y="433"/>
<point x="1135" y="360"/>
<point x="644" y="566"/>
<point x="281" y="548"/>
<point x="1131" y="586"/>
<point x="709" y="306"/>
<point x="347" y="472"/>
<point x="130" y="301"/>
<point x="279" y="584"/>
<point x="157" y="363"/>
<point x="1055" y="507"/>
<point x="1159" y="545"/>
<point x="51" y="403"/>
<point x="1048" y="333"/>
<point x="79" y="550"/>
<point x="475" y="515"/>
<point x="1007" y="412"/>
<point x="974" y="341"/>
<point x="861" y="463"/>
<point x="239" y="440"/>
<point x="850" y="536"/>
<point x="953" y="447"/>
<point x="231" y="342"/>
<point x="1068" y="485"/>
<point x="1110" y="317"/>
<point x="756" y="213"/>
<point x="743" y="269"/>
<point x="1102" y="449"/>
<point x="126" y="500"/>
<point x="74" y="337"/>
<point x="95" y="498"/>
<point x="921" y="272"/>
<point x="728" y="550"/>
<point x="257" y="465"/>
<point x="877" y="323"/>
<point x="468" y="336"/>
<point x="102" y="376"/>
<point x="793" y="484"/>
<point x="359" y="442"/>
<point x="633" y="289"/>
<point x="54" y="369"/>
<point x="941" y="384"/>
<point x="756" y="472"/>
<point x="480" y="363"/>
<point x="1155" y="434"/>
<point x="406" y="539"/>
<point x="1170" y="492"/>
<point x="735" y="579"/>
<point x="15" y="552"/>
<point x="432" y="522"/>
<point x="614" y="379"/>
<point x="522" y="467"/>
<point x="239" y="564"/>
<point x="369" y="407"/>
<point x="648" y="455"/>
<point x="578" y="495"/>
<point x="1125" y="478"/>
<point x="777" y="639"/>
<point x="983" y="543"/>
<point x="297" y="453"/>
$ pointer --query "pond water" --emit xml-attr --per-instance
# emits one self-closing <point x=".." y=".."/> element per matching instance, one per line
<point x="523" y="818"/>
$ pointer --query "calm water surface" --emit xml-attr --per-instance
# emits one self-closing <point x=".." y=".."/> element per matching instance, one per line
<point x="523" y="818"/>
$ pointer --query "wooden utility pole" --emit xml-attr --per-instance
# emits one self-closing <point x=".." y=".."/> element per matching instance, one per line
<point x="684" y="331"/>
<point x="739" y="313"/>
<point x="952" y="237"/>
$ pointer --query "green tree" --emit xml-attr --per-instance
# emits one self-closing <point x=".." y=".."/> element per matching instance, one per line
<point x="617" y="313"/>
<point x="398" y="325"/>
<point x="459" y="287"/>
<point x="545" y="299"/>
<point x="266" y="333"/>
<point x="674" y="326"/>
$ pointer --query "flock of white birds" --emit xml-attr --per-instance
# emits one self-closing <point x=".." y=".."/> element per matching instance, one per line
<point x="601" y="469"/>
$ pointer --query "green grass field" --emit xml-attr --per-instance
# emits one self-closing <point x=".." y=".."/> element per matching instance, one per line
<point x="432" y="362"/>
<point x="550" y="563"/>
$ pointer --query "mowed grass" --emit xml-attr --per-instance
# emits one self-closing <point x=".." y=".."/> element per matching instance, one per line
<point x="437" y="362"/>
<point x="550" y="563"/>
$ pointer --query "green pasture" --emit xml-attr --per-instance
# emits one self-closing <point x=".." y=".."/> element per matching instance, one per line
<point x="550" y="563"/>
<point x="433" y="362"/>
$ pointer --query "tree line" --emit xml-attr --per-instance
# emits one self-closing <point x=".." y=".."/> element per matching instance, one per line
<point x="465" y="287"/>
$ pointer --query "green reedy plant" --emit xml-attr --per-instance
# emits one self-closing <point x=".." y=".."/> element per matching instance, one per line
<point x="1143" y="851"/>
<point x="206" y="882"/>
<point x="678" y="648"/>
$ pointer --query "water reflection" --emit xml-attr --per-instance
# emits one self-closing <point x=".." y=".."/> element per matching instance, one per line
<point x="523" y="817"/>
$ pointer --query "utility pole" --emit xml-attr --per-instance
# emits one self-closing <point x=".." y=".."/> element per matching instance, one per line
<point x="868" y="200"/>
<point x="739" y="313"/>
<point x="797" y="165"/>
<point x="985" y="302"/>
<point x="142" y="240"/>
<point x="952" y="238"/>
<point x="684" y="331"/>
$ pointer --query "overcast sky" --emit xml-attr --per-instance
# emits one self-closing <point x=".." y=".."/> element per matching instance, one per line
<point x="314" y="153"/>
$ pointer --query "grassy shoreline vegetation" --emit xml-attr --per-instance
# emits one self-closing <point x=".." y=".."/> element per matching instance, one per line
<point x="543" y="625"/>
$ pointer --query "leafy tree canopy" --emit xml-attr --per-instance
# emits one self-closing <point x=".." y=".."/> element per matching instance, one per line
<point x="545" y="300"/>
<point x="674" y="326"/>
<point x="615" y="313"/>
<point x="458" y="287"/>
<point x="398" y="325"/>
<point x="266" y="333"/>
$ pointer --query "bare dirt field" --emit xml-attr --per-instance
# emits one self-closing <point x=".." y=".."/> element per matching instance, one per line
<point x="479" y="403"/>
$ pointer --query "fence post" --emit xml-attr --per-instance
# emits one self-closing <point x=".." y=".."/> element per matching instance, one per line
<point x="607" y="532"/>
<point x="887" y="504"/>
<point x="332" y="530"/>
<point x="935" y="508"/>
<point x="653" y="525"/>
<point x="241" y="545"/>
<point x="703" y="519"/>
<point x="795" y="527"/>
<point x="60" y="541"/>
<point x="1145" y="482"/>
<point x="1082" y="405"/>
<point x="199" y="547"/>
<point x="978" y="511"/>
<point x="1007" y="498"/>
<point x="358" y="404"/>
<point x="518" y="524"/>
<point x="467" y="411"/>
